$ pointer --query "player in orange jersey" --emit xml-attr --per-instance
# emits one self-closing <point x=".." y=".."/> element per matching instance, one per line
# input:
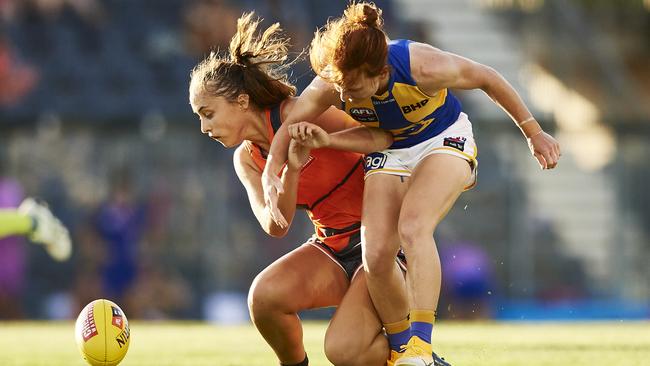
<point x="241" y="100"/>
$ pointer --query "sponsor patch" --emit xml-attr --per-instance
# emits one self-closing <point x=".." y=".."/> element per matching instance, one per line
<point x="455" y="142"/>
<point x="363" y="114"/>
<point x="375" y="161"/>
<point x="89" y="329"/>
<point x="413" y="107"/>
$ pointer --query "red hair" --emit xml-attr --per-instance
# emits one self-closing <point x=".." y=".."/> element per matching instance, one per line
<point x="356" y="41"/>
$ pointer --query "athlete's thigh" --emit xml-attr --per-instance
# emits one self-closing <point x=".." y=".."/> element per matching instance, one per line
<point x="305" y="278"/>
<point x="435" y="185"/>
<point x="382" y="198"/>
<point x="355" y="316"/>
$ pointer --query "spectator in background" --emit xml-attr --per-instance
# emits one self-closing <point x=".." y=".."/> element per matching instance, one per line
<point x="13" y="255"/>
<point x="90" y="11"/>
<point x="208" y="25"/>
<point x="16" y="79"/>
<point x="120" y="224"/>
<point x="468" y="282"/>
<point x="30" y="219"/>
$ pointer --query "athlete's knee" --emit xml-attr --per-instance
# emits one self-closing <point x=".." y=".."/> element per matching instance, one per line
<point x="379" y="261"/>
<point x="262" y="297"/>
<point x="379" y="251"/>
<point x="413" y="230"/>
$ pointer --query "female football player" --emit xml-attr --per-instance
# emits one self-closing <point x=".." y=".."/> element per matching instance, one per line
<point x="402" y="87"/>
<point x="242" y="100"/>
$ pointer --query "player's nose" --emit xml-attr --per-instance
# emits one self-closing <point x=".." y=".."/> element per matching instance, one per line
<point x="205" y="128"/>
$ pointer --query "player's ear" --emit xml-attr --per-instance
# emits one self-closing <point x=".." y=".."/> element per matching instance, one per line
<point x="243" y="100"/>
<point x="385" y="71"/>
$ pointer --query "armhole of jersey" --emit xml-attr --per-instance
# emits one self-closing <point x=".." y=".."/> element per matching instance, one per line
<point x="427" y="94"/>
<point x="249" y="148"/>
<point x="408" y="61"/>
<point x="399" y="58"/>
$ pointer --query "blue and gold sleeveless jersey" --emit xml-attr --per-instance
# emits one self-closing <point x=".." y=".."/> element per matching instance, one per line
<point x="404" y="110"/>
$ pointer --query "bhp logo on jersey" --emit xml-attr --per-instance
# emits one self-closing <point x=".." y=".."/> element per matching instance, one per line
<point x="364" y="114"/>
<point x="374" y="161"/>
<point x="412" y="107"/>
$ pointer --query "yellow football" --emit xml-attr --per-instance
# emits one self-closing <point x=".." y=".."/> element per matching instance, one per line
<point x="102" y="333"/>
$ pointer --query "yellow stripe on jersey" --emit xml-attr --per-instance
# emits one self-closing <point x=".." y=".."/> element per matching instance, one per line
<point x="405" y="132"/>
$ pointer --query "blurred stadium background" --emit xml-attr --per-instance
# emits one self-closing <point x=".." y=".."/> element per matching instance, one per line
<point x="95" y="120"/>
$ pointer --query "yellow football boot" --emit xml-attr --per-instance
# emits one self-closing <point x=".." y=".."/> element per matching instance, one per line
<point x="416" y="353"/>
<point x="394" y="356"/>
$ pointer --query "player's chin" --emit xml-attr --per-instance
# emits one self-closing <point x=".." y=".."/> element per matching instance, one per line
<point x="222" y="140"/>
<point x="229" y="143"/>
<point x="360" y="97"/>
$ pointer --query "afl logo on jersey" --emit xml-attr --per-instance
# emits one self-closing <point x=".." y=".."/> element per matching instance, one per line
<point x="363" y="114"/>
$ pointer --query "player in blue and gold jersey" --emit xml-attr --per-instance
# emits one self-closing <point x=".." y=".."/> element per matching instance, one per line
<point x="401" y="87"/>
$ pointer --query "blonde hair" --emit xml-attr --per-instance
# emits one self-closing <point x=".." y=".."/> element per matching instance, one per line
<point x="256" y="65"/>
<point x="354" y="41"/>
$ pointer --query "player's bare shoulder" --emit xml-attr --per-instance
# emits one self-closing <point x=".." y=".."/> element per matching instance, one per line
<point x="431" y="67"/>
<point x="322" y="91"/>
<point x="243" y="161"/>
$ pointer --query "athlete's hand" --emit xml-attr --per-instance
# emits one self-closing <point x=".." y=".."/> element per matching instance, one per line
<point x="298" y="155"/>
<point x="309" y="135"/>
<point x="272" y="187"/>
<point x="545" y="149"/>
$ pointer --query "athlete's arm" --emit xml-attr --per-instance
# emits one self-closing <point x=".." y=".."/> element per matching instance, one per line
<point x="434" y="70"/>
<point x="337" y="130"/>
<point x="360" y="139"/>
<point x="251" y="177"/>
<point x="313" y="101"/>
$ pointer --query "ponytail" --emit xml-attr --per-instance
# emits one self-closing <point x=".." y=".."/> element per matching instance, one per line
<point x="256" y="65"/>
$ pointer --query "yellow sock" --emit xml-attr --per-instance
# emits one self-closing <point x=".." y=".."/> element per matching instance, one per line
<point x="422" y="324"/>
<point x="14" y="223"/>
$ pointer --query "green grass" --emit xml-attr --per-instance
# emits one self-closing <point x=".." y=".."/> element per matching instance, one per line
<point x="493" y="344"/>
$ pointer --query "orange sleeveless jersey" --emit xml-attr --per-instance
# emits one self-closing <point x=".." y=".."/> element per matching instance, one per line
<point x="330" y="188"/>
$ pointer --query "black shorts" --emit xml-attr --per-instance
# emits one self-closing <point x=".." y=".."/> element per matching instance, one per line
<point x="349" y="259"/>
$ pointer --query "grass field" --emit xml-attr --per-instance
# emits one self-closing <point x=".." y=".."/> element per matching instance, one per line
<point x="493" y="344"/>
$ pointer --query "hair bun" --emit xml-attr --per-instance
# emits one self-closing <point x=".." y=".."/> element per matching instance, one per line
<point x="372" y="16"/>
<point x="365" y="13"/>
<point x="243" y="58"/>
